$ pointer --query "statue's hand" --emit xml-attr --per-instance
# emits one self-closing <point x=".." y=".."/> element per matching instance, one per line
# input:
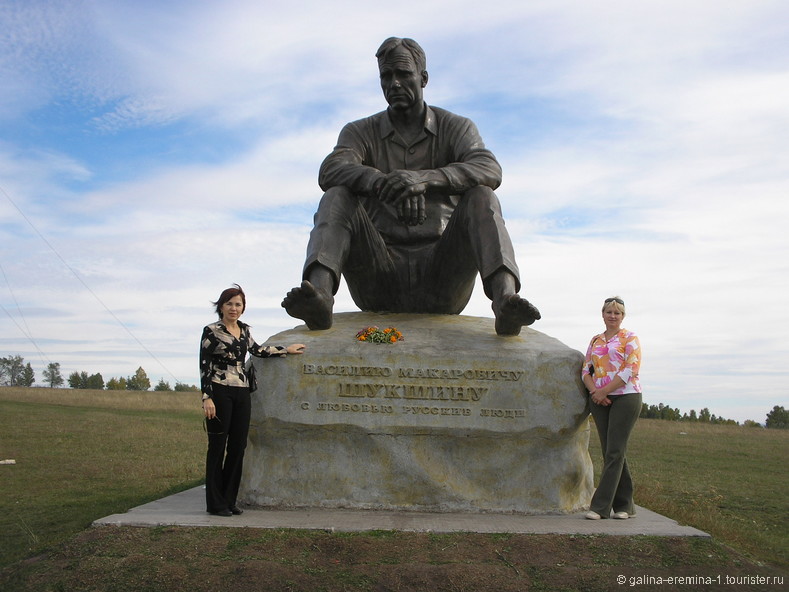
<point x="411" y="210"/>
<point x="401" y="184"/>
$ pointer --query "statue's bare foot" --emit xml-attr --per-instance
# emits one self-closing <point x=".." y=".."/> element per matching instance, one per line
<point x="512" y="313"/>
<point x="311" y="305"/>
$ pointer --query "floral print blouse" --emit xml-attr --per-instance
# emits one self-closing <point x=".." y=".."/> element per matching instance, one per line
<point x="222" y="356"/>
<point x="619" y="356"/>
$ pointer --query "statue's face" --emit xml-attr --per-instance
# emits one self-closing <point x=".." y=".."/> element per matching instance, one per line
<point x="401" y="82"/>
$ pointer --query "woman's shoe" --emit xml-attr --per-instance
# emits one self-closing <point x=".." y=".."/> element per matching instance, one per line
<point x="621" y="515"/>
<point x="236" y="510"/>
<point x="221" y="513"/>
<point x="592" y="516"/>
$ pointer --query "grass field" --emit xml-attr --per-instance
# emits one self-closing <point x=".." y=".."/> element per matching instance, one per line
<point x="729" y="481"/>
<point x="81" y="455"/>
<point x="84" y="454"/>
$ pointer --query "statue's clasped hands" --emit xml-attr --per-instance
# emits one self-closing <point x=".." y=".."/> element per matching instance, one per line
<point x="405" y="189"/>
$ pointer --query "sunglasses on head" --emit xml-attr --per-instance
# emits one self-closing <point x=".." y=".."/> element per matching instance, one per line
<point x="617" y="300"/>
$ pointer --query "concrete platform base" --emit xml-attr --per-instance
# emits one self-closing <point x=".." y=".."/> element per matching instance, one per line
<point x="188" y="509"/>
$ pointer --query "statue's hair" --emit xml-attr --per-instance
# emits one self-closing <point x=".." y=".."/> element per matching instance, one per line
<point x="412" y="46"/>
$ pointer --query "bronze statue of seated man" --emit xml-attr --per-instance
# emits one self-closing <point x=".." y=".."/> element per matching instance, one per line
<point x="409" y="215"/>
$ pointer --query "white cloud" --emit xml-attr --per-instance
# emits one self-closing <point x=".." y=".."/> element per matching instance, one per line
<point x="655" y="167"/>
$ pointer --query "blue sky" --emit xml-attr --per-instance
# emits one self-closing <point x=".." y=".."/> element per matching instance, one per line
<point x="153" y="153"/>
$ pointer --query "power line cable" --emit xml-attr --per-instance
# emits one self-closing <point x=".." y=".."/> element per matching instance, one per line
<point x="44" y="357"/>
<point x="81" y="281"/>
<point x="26" y="330"/>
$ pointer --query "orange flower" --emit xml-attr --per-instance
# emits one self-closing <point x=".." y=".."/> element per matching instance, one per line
<point x="376" y="335"/>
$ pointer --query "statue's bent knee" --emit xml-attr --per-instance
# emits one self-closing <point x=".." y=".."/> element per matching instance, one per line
<point x="480" y="200"/>
<point x="337" y="206"/>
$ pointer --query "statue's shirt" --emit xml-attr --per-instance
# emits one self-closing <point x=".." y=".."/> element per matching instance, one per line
<point x="370" y="148"/>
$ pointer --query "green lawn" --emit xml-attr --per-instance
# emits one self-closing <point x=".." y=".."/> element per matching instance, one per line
<point x="729" y="481"/>
<point x="82" y="455"/>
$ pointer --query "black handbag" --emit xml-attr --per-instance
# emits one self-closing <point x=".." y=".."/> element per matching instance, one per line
<point x="252" y="379"/>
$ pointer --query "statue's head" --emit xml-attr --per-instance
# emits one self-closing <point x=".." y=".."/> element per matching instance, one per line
<point x="416" y="51"/>
<point x="402" y="66"/>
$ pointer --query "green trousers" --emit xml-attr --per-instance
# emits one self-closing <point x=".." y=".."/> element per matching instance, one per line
<point x="614" y="424"/>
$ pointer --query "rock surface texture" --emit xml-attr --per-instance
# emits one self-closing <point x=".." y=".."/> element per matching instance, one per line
<point x="452" y="418"/>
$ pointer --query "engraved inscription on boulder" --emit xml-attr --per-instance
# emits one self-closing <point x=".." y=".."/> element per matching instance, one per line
<point x="453" y="418"/>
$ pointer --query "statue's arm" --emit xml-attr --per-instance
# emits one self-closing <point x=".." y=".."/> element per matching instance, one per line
<point x="471" y="164"/>
<point x="348" y="164"/>
<point x="466" y="164"/>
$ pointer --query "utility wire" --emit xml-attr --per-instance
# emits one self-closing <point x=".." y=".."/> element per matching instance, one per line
<point x="81" y="281"/>
<point x="26" y="330"/>
<point x="28" y="335"/>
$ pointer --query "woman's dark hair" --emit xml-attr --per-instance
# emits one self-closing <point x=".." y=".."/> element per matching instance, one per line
<point x="227" y="295"/>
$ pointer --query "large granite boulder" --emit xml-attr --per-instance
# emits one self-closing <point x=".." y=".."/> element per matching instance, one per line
<point x="453" y="418"/>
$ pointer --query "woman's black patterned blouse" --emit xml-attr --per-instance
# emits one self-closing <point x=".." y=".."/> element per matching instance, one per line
<point x="222" y="356"/>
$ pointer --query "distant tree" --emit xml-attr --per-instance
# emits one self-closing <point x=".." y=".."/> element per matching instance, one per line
<point x="138" y="382"/>
<point x="778" y="419"/>
<point x="11" y="370"/>
<point x="116" y="384"/>
<point x="78" y="380"/>
<point x="28" y="376"/>
<point x="749" y="423"/>
<point x="648" y="411"/>
<point x="162" y="386"/>
<point x="182" y="387"/>
<point x="666" y="412"/>
<point x="661" y="411"/>
<point x="96" y="382"/>
<point x="52" y="375"/>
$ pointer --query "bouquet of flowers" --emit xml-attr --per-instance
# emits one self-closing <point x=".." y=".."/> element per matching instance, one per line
<point x="376" y="335"/>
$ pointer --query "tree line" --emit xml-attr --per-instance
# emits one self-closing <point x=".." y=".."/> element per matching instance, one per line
<point x="14" y="372"/>
<point x="778" y="418"/>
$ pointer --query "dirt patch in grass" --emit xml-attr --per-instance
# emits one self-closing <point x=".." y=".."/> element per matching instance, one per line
<point x="175" y="559"/>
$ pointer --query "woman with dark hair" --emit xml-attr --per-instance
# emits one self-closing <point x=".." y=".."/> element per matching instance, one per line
<point x="226" y="397"/>
<point x="610" y="374"/>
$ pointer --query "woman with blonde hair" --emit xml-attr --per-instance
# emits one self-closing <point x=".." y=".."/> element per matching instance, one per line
<point x="610" y="374"/>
